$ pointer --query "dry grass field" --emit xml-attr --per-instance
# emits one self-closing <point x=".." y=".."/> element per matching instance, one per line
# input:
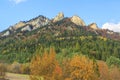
<point x="12" y="76"/>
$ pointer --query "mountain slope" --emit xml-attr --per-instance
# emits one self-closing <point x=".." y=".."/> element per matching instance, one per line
<point x="19" y="42"/>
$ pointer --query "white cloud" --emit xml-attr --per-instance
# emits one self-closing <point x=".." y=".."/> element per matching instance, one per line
<point x="112" y="26"/>
<point x="17" y="1"/>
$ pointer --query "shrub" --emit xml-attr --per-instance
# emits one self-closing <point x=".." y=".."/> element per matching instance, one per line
<point x="115" y="73"/>
<point x="14" y="67"/>
<point x="25" y="69"/>
<point x="113" y="61"/>
<point x="103" y="70"/>
<point x="2" y="70"/>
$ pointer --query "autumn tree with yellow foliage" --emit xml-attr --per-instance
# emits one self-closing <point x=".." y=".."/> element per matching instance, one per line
<point x="45" y="67"/>
<point x="80" y="68"/>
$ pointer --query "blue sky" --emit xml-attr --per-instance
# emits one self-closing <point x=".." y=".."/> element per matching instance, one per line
<point x="106" y="13"/>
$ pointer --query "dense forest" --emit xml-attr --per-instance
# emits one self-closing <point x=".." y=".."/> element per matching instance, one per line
<point x="98" y="47"/>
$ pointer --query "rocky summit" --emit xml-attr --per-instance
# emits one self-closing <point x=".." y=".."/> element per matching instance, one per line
<point x="77" y="20"/>
<point x="57" y="26"/>
<point x="93" y="26"/>
<point x="38" y="21"/>
<point x="59" y="17"/>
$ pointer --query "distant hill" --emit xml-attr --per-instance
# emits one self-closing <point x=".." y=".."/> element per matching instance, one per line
<point x="20" y="41"/>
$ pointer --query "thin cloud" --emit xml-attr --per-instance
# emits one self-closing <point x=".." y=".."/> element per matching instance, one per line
<point x="17" y="1"/>
<point x="112" y="26"/>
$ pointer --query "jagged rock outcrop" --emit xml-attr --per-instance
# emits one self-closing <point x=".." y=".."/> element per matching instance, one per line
<point x="59" y="17"/>
<point x="6" y="33"/>
<point x="27" y="28"/>
<point x="18" y="25"/>
<point x="77" y="20"/>
<point x="93" y="26"/>
<point x="38" y="21"/>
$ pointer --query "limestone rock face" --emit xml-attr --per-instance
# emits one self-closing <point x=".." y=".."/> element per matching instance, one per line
<point x="6" y="33"/>
<point x="59" y="17"/>
<point x="93" y="26"/>
<point x="77" y="20"/>
<point x="39" y="21"/>
<point x="35" y="22"/>
<point x="27" y="28"/>
<point x="19" y="25"/>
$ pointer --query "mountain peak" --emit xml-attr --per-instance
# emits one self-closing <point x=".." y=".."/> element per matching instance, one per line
<point x="93" y="26"/>
<point x="38" y="21"/>
<point x="35" y="22"/>
<point x="77" y="20"/>
<point x="59" y="17"/>
<point x="43" y="23"/>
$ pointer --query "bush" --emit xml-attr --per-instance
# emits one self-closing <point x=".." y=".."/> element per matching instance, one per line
<point x="2" y="70"/>
<point x="14" y="67"/>
<point x="113" y="61"/>
<point x="25" y="69"/>
<point x="103" y="70"/>
<point x="115" y="73"/>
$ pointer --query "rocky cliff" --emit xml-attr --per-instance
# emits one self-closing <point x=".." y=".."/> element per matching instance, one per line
<point x="77" y="20"/>
<point x="59" y="17"/>
<point x="93" y="26"/>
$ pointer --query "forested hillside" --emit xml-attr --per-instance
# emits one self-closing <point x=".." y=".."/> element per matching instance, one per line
<point x="63" y="35"/>
<point x="62" y="48"/>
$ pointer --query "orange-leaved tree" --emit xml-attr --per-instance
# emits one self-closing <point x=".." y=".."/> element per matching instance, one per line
<point x="115" y="73"/>
<point x="80" y="68"/>
<point x="103" y="70"/>
<point x="45" y="67"/>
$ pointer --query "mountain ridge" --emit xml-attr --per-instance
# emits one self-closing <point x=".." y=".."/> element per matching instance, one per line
<point x="39" y="21"/>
